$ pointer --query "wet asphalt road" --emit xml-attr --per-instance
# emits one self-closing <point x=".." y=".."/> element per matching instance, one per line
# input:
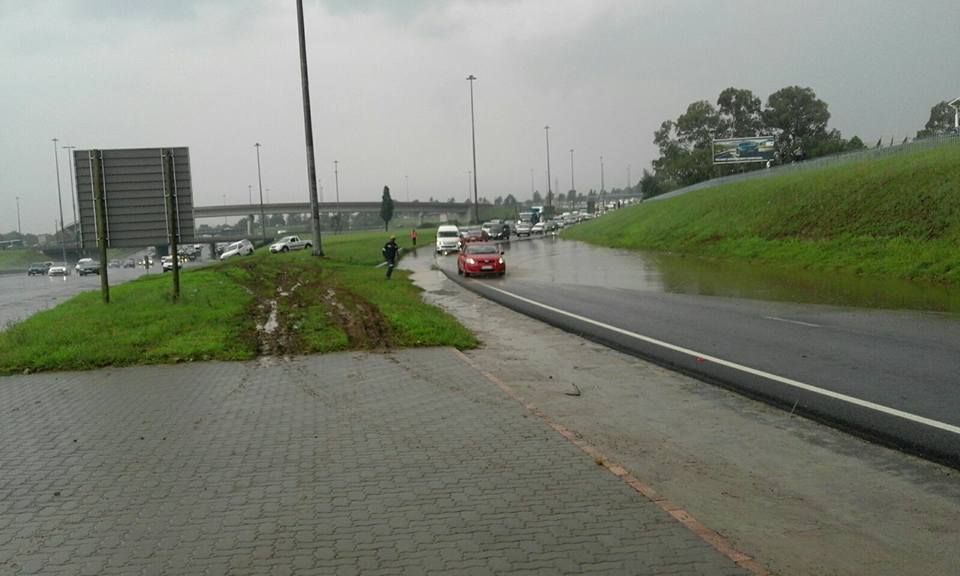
<point x="800" y="356"/>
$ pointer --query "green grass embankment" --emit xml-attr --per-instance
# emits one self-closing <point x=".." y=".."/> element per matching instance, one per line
<point x="20" y="259"/>
<point x="340" y="302"/>
<point x="896" y="217"/>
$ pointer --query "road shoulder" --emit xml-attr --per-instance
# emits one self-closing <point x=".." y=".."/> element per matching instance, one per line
<point x="797" y="496"/>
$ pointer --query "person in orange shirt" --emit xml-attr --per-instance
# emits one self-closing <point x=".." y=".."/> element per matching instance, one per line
<point x="413" y="237"/>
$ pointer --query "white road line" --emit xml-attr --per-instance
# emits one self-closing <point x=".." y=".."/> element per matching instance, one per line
<point x="792" y="321"/>
<point x="720" y="361"/>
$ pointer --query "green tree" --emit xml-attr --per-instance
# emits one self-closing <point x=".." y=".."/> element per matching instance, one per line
<point x="498" y="201"/>
<point x="739" y="112"/>
<point x="940" y="123"/>
<point x="509" y="200"/>
<point x="799" y="120"/>
<point x="537" y="198"/>
<point x="386" y="208"/>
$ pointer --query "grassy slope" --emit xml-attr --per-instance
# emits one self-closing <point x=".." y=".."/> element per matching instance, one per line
<point x="20" y="259"/>
<point x="893" y="217"/>
<point x="216" y="316"/>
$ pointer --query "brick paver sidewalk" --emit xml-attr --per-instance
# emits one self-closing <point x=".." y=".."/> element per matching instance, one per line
<point x="403" y="463"/>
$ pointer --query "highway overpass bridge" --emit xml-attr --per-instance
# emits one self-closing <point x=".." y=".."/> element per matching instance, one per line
<point x="424" y="210"/>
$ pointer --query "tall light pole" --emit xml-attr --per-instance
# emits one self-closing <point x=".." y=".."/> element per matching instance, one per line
<point x="73" y="196"/>
<point x="601" y="183"/>
<point x="308" y="134"/>
<point x="473" y="140"/>
<point x="263" y="221"/>
<point x="546" y="129"/>
<point x="56" y="159"/>
<point x="250" y="194"/>
<point x="19" y="229"/>
<point x="336" y="184"/>
<point x="572" y="187"/>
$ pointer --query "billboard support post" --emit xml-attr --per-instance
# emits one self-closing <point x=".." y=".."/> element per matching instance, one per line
<point x="100" y="215"/>
<point x="169" y="196"/>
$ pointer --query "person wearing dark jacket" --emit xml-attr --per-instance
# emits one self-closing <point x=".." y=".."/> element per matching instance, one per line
<point x="390" y="251"/>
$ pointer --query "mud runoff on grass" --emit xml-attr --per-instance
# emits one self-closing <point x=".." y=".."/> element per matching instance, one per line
<point x="285" y="303"/>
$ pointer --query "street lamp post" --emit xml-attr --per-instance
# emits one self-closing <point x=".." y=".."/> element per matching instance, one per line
<point x="263" y="221"/>
<point x="601" y="184"/>
<point x="73" y="196"/>
<point x="473" y="140"/>
<point x="336" y="186"/>
<point x="308" y="134"/>
<point x="19" y="229"/>
<point x="56" y="158"/>
<point x="546" y="129"/>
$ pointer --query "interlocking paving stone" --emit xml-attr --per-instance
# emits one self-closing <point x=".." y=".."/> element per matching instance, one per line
<point x="399" y="463"/>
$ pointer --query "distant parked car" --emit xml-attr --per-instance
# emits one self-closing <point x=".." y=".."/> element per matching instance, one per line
<point x="242" y="248"/>
<point x="57" y="270"/>
<point x="288" y="243"/>
<point x="481" y="258"/>
<point x="129" y="263"/>
<point x="523" y="228"/>
<point x="113" y="264"/>
<point x="37" y="269"/>
<point x="88" y="266"/>
<point x="538" y="228"/>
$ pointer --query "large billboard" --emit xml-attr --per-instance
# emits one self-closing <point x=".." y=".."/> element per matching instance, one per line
<point x="133" y="186"/>
<point x="738" y="150"/>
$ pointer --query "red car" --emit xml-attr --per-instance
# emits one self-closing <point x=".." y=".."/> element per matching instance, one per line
<point x="481" y="258"/>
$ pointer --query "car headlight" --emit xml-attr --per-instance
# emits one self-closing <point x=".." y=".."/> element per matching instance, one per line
<point x="471" y="261"/>
<point x="500" y="261"/>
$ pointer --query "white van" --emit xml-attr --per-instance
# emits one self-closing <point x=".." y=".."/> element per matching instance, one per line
<point x="448" y="239"/>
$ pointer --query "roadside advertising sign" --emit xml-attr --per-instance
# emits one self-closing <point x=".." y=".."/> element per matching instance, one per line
<point x="739" y="150"/>
<point x="134" y="183"/>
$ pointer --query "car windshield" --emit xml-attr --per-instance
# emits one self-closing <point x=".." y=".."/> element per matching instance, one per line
<point x="481" y="249"/>
<point x="286" y="239"/>
<point x="447" y="234"/>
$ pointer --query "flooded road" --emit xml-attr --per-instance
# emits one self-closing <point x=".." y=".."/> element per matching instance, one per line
<point x="554" y="260"/>
<point x="889" y="374"/>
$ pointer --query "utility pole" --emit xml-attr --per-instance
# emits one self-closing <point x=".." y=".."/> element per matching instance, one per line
<point x="336" y="183"/>
<point x="308" y="135"/>
<point x="473" y="140"/>
<point x="63" y="247"/>
<point x="73" y="197"/>
<point x="546" y="129"/>
<point x="263" y="221"/>
<point x="19" y="229"/>
<point x="601" y="183"/>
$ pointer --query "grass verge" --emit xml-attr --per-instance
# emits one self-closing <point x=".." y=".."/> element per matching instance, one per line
<point x="266" y="304"/>
<point x="896" y="217"/>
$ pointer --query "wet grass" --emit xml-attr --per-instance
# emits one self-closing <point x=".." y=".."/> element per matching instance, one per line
<point x="340" y="302"/>
<point x="896" y="217"/>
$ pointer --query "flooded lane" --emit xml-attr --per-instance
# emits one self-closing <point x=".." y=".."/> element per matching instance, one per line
<point x="559" y="261"/>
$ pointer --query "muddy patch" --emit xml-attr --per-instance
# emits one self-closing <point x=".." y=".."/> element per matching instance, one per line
<point x="282" y="300"/>
<point x="364" y="325"/>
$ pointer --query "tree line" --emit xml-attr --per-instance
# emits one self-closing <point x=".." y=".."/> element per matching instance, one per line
<point x="794" y="115"/>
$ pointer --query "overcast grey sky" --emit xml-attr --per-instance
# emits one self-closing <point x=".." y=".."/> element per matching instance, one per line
<point x="390" y="98"/>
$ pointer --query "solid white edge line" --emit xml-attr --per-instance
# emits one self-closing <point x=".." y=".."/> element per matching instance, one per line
<point x="781" y="379"/>
<point x="811" y="325"/>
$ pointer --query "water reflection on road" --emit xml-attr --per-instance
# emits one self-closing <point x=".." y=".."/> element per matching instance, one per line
<point x="552" y="260"/>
